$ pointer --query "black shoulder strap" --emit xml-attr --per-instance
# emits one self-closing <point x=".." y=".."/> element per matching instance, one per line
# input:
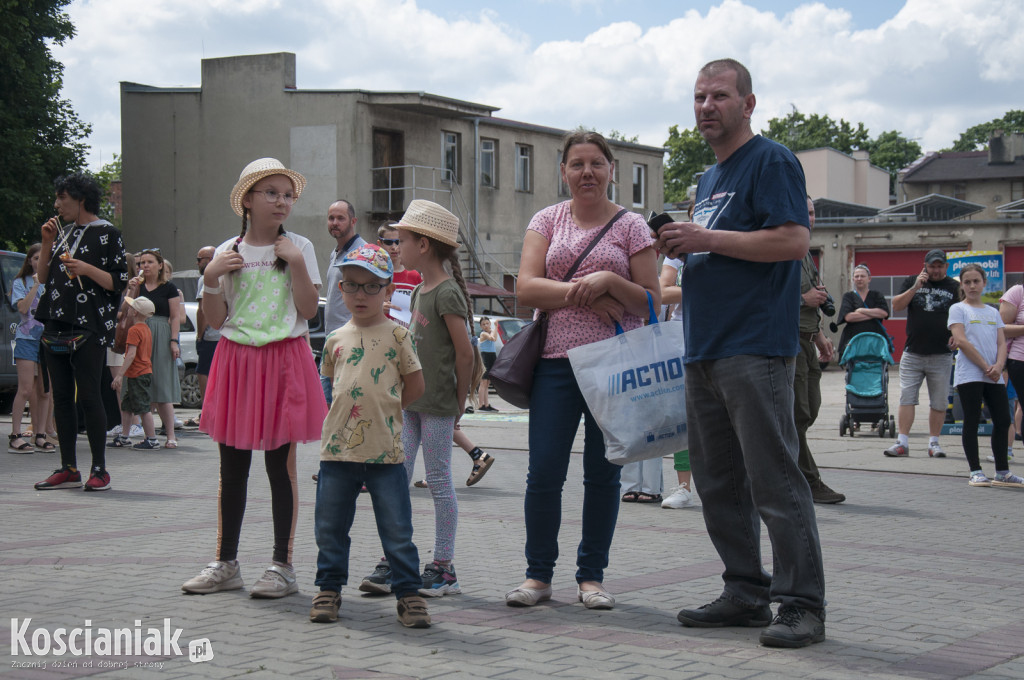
<point x="583" y="255"/>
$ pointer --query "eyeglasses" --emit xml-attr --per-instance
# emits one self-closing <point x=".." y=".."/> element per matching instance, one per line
<point x="353" y="287"/>
<point x="272" y="196"/>
<point x="388" y="241"/>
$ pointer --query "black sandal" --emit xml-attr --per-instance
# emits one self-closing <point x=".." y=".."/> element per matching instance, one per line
<point x="25" y="447"/>
<point x="644" y="497"/>
<point x="630" y="497"/>
<point x="47" y="446"/>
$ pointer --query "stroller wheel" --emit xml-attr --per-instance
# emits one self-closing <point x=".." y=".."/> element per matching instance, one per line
<point x="882" y="425"/>
<point x="892" y="427"/>
<point x="842" y="424"/>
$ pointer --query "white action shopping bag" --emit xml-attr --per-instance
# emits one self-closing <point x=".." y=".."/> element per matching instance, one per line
<point x="633" y="385"/>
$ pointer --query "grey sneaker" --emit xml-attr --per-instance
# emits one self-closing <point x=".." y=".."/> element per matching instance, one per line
<point x="216" y="576"/>
<point x="723" y="612"/>
<point x="277" y="581"/>
<point x="935" y="451"/>
<point x="794" y="627"/>
<point x="380" y="580"/>
<point x="897" y="451"/>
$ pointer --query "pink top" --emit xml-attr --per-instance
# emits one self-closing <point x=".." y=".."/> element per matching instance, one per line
<point x="1015" y="297"/>
<point x="570" y="327"/>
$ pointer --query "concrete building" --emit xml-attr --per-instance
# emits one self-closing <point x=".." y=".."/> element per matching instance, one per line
<point x="846" y="178"/>
<point x="989" y="178"/>
<point x="183" y="149"/>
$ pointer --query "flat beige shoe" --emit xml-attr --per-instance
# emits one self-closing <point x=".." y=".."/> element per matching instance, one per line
<point x="596" y="599"/>
<point x="527" y="597"/>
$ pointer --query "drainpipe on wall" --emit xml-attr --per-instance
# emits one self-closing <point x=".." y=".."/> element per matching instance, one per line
<point x="476" y="189"/>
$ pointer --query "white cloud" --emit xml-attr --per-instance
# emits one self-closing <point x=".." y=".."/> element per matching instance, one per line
<point x="934" y="69"/>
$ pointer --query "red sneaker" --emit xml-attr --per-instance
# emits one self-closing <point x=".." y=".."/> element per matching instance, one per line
<point x="64" y="478"/>
<point x="99" y="480"/>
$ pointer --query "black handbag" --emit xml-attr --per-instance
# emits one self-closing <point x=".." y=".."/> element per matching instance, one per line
<point x="512" y="371"/>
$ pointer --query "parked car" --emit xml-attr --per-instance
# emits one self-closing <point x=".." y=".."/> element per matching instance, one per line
<point x="507" y="327"/>
<point x="191" y="397"/>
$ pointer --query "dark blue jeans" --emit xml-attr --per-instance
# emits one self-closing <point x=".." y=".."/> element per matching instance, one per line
<point x="743" y="449"/>
<point x="336" y="493"/>
<point x="556" y="405"/>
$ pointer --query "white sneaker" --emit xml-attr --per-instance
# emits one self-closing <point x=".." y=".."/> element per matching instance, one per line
<point x="135" y="431"/>
<point x="277" y="581"/>
<point x="114" y="431"/>
<point x="935" y="451"/>
<point x="679" y="498"/>
<point x="216" y="576"/>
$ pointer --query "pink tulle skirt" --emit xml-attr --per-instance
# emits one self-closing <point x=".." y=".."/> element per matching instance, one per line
<point x="260" y="398"/>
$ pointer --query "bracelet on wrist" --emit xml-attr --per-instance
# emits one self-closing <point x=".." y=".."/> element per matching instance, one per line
<point x="213" y="291"/>
<point x="175" y="341"/>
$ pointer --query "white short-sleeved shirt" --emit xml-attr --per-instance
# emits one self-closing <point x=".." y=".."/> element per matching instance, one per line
<point x="261" y="309"/>
<point x="981" y="325"/>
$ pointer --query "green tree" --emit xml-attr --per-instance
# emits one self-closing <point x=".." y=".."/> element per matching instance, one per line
<point x="42" y="135"/>
<point x="109" y="173"/>
<point x="893" y="152"/>
<point x="799" y="132"/>
<point x="688" y="154"/>
<point x="976" y="138"/>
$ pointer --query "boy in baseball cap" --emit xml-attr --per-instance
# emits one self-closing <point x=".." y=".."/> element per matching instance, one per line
<point x="134" y="378"/>
<point x="372" y="365"/>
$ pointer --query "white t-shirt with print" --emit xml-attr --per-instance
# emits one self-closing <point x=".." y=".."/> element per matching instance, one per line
<point x="261" y="309"/>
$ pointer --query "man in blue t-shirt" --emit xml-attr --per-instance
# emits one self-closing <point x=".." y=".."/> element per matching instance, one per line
<point x="741" y="298"/>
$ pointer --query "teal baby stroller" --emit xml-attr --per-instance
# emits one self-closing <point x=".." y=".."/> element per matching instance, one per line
<point x="867" y="359"/>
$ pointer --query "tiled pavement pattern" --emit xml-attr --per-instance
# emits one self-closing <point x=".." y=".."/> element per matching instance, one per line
<point x="924" y="575"/>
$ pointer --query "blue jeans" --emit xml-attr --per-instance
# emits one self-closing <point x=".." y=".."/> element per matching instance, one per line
<point x="743" y="449"/>
<point x="556" y="405"/>
<point x="336" y="493"/>
<point x="328" y="388"/>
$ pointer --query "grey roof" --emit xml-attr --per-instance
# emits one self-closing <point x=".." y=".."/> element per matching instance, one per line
<point x="933" y="207"/>
<point x="955" y="166"/>
<point x="827" y="209"/>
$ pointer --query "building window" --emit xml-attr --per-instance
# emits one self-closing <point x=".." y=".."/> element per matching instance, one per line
<point x="450" y="142"/>
<point x="960" y="191"/>
<point x="639" y="184"/>
<point x="488" y="162"/>
<point x="563" y="188"/>
<point x="1016" y="189"/>
<point x="524" y="180"/>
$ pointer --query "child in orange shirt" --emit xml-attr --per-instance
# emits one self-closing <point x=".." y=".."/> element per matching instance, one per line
<point x="137" y="375"/>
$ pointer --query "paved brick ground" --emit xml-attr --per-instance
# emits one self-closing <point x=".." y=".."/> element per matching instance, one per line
<point x="924" y="575"/>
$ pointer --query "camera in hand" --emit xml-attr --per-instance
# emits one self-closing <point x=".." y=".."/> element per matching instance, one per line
<point x="828" y="307"/>
<point x="656" y="221"/>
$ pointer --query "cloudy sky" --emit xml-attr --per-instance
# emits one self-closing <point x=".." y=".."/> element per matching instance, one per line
<point x="928" y="68"/>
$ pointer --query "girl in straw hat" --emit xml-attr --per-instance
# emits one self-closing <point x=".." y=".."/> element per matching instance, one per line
<point x="428" y="239"/>
<point x="263" y="391"/>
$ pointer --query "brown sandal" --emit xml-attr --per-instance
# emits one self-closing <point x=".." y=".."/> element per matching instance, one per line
<point x="46" y="446"/>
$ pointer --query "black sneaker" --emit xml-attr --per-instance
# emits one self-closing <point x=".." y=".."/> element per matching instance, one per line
<point x="379" y="581"/>
<point x="723" y="612"/>
<point x="822" y="493"/>
<point x="795" y="627"/>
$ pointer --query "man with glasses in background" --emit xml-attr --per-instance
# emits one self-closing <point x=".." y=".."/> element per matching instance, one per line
<point x="341" y="224"/>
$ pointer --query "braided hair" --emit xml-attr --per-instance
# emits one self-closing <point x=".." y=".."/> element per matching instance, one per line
<point x="279" y="264"/>
<point x="448" y="253"/>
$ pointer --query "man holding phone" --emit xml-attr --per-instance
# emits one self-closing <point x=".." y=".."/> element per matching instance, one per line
<point x="927" y="298"/>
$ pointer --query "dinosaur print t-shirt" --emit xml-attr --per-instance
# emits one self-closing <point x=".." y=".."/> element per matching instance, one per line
<point x="365" y="366"/>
